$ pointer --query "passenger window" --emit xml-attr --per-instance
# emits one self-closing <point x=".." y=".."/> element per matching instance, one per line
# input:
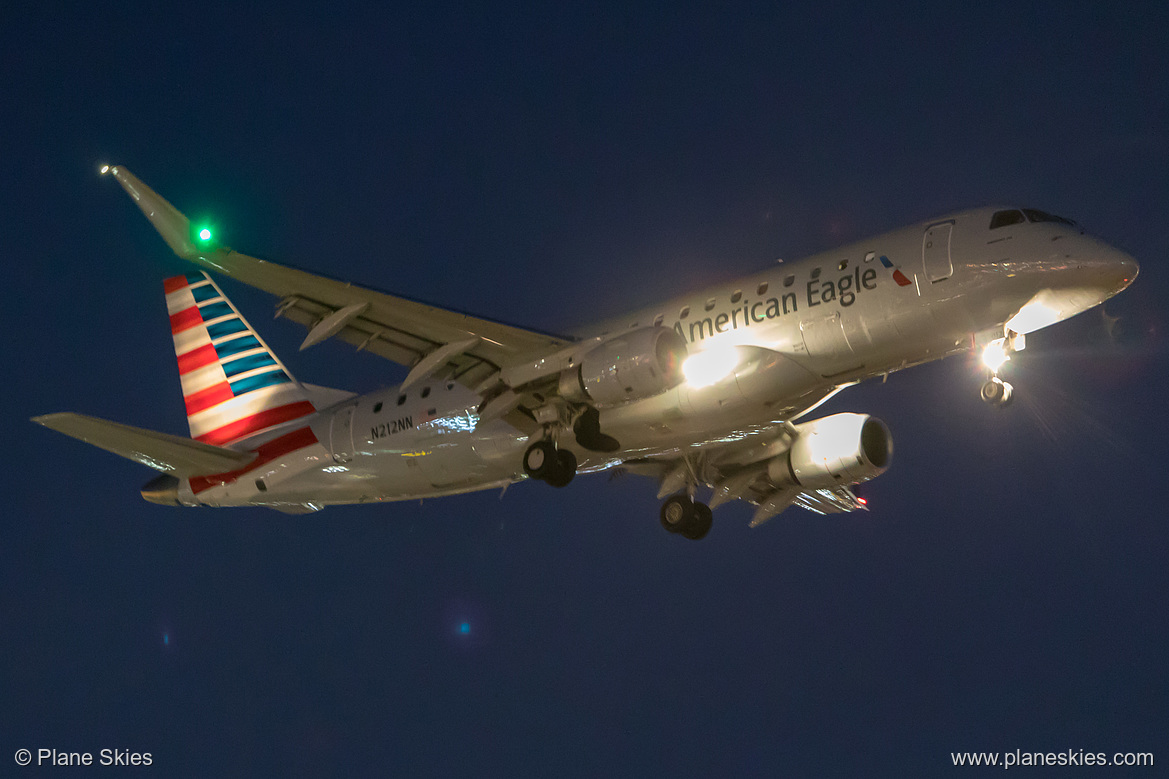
<point x="761" y="289"/>
<point x="659" y="319"/>
<point x="736" y="296"/>
<point x="426" y="392"/>
<point x="685" y="312"/>
<point x="843" y="265"/>
<point x="870" y="256"/>
<point x="710" y="304"/>
<point x="377" y="407"/>
<point x="1005" y="218"/>
<point x="401" y="399"/>
<point x="789" y="280"/>
<point x="815" y="273"/>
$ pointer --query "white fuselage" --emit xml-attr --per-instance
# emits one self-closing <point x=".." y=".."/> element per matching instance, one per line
<point x="799" y="330"/>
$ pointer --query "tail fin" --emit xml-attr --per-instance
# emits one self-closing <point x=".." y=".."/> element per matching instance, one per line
<point x="233" y="385"/>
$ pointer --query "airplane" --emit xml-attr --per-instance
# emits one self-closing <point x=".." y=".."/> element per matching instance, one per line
<point x="716" y="389"/>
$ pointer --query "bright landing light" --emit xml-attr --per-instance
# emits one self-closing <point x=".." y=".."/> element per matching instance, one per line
<point x="204" y="234"/>
<point x="710" y="366"/>
<point x="995" y="354"/>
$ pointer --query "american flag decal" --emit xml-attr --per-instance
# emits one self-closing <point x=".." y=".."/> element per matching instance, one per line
<point x="898" y="276"/>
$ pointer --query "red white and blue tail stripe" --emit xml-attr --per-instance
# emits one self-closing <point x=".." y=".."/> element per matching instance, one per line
<point x="233" y="385"/>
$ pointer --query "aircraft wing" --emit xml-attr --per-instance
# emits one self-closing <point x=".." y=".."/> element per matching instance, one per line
<point x="748" y="482"/>
<point x="435" y="340"/>
<point x="832" y="500"/>
<point x="835" y="500"/>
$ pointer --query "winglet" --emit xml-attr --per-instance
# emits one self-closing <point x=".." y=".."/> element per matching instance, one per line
<point x="170" y="223"/>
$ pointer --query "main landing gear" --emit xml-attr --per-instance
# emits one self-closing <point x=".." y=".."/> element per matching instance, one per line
<point x="995" y="391"/>
<point x="545" y="462"/>
<point x="687" y="517"/>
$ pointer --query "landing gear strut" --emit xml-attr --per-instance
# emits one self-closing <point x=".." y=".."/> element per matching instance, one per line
<point x="545" y="462"/>
<point x="691" y="519"/>
<point x="995" y="391"/>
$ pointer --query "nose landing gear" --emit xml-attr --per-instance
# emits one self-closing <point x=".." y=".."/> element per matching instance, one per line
<point x="995" y="391"/>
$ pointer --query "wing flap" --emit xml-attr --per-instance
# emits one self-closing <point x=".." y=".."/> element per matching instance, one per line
<point x="832" y="500"/>
<point x="171" y="454"/>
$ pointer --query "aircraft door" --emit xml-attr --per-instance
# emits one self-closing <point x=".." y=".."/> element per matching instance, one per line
<point x="341" y="434"/>
<point x="935" y="251"/>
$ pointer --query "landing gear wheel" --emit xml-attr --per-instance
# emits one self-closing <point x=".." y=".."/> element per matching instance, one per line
<point x="541" y="460"/>
<point x="997" y="392"/>
<point x="545" y="462"/>
<point x="702" y="521"/>
<point x="675" y="513"/>
<point x="565" y="469"/>
<point x="682" y="515"/>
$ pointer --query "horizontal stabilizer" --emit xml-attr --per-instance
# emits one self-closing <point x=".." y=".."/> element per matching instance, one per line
<point x="171" y="454"/>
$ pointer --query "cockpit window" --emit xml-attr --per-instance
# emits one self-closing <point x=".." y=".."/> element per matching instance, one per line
<point x="1004" y="218"/>
<point x="1042" y="216"/>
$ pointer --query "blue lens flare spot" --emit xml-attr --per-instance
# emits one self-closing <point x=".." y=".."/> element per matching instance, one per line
<point x="465" y="628"/>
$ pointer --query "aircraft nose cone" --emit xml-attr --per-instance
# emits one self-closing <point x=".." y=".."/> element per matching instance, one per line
<point x="1130" y="268"/>
<point x="1123" y="268"/>
<point x="163" y="490"/>
<point x="1105" y="267"/>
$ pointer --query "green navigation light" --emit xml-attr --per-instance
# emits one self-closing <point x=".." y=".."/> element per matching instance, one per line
<point x="204" y="234"/>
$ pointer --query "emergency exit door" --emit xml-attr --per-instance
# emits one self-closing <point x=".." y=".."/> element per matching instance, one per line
<point x="935" y="252"/>
<point x="341" y="435"/>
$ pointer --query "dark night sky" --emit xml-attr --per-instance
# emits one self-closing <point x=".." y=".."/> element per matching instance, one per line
<point x="546" y="167"/>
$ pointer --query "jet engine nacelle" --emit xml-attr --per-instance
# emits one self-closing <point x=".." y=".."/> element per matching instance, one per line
<point x="834" y="451"/>
<point x="630" y="366"/>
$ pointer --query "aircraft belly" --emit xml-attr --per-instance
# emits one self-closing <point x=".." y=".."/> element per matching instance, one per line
<point x="765" y="390"/>
<point x="440" y="455"/>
